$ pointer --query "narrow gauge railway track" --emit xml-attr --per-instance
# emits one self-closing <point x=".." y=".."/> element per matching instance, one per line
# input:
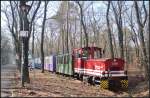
<point x="66" y="86"/>
<point x="69" y="77"/>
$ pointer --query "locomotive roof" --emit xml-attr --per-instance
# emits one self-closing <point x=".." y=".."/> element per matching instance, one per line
<point x="87" y="48"/>
<point x="105" y="59"/>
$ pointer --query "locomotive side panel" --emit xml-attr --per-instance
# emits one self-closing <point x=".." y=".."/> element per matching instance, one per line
<point x="78" y="65"/>
<point x="94" y="68"/>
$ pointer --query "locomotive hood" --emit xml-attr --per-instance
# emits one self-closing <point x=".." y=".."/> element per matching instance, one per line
<point x="109" y="64"/>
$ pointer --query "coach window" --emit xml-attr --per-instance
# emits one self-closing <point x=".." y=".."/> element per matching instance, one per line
<point x="67" y="59"/>
<point x="57" y="60"/>
<point x="64" y="58"/>
<point x="61" y="59"/>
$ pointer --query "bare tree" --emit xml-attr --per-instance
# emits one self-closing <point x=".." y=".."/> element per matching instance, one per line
<point x="118" y="19"/>
<point x="13" y="25"/>
<point x="42" y="35"/>
<point x="133" y="33"/>
<point x="141" y="25"/>
<point x="33" y="37"/>
<point x="109" y="31"/>
<point x="83" y="24"/>
<point x="26" y="42"/>
<point x="67" y="46"/>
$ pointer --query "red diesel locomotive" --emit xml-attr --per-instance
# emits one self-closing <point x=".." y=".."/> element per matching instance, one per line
<point x="90" y="66"/>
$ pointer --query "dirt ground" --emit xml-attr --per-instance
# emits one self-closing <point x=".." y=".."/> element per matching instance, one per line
<point x="52" y="85"/>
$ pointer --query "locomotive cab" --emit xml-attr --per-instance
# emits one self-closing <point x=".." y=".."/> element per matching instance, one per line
<point x="81" y="55"/>
<point x="80" y="58"/>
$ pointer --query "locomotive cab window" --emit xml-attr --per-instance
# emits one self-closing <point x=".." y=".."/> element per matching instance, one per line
<point x="77" y="54"/>
<point x="85" y="54"/>
<point x="97" y="54"/>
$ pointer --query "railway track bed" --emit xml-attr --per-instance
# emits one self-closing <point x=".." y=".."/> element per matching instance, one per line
<point x="53" y="85"/>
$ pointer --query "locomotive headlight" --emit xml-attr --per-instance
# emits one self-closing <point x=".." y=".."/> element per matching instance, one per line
<point x="103" y="73"/>
<point x="125" y="72"/>
<point x="101" y="67"/>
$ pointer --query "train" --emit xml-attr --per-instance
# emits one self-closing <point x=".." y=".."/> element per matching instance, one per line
<point x="88" y="64"/>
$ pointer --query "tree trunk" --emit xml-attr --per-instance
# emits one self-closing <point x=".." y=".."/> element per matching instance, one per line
<point x="118" y="19"/>
<point x="18" y="53"/>
<point x="73" y="36"/>
<point x="33" y="39"/>
<point x="109" y="32"/>
<point x="80" y="34"/>
<point x="63" y="50"/>
<point x="67" y="46"/>
<point x="26" y="71"/>
<point x="42" y="36"/>
<point x="24" y="26"/>
<point x="115" y="47"/>
<point x="83" y="25"/>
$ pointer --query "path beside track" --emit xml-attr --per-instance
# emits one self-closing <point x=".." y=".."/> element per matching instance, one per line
<point x="7" y="79"/>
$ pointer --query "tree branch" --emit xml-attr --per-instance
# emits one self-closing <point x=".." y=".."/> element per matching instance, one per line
<point x="137" y="13"/>
<point x="144" y="22"/>
<point x="33" y="17"/>
<point x="30" y="7"/>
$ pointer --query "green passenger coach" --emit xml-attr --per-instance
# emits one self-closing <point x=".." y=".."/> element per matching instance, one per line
<point x="64" y="64"/>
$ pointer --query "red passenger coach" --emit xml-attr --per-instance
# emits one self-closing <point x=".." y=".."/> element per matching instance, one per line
<point x="89" y="65"/>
